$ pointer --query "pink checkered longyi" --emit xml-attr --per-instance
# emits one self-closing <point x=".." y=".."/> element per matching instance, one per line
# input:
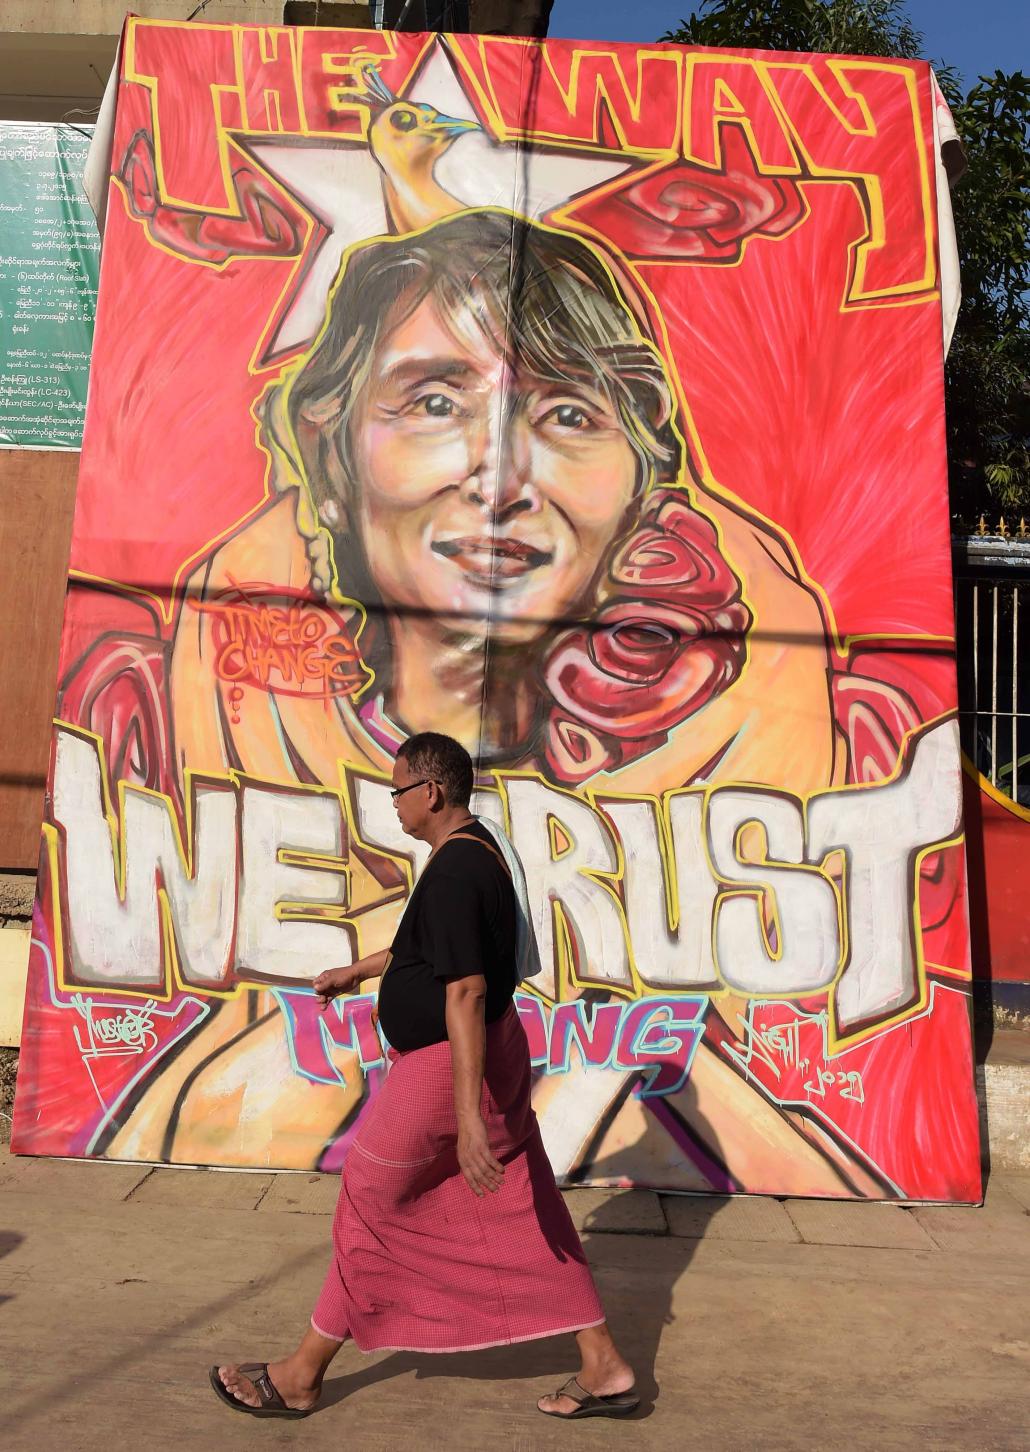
<point x="420" y="1262"/>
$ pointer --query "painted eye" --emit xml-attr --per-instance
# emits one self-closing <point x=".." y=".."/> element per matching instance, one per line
<point x="438" y="405"/>
<point x="568" y="416"/>
<point x="404" y="120"/>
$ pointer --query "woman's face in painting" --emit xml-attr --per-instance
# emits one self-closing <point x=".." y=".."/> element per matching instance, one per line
<point x="484" y="494"/>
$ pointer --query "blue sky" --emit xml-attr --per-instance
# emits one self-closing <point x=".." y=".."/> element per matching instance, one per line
<point x="973" y="35"/>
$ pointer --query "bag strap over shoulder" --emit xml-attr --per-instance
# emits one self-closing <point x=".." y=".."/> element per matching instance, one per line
<point x="488" y="846"/>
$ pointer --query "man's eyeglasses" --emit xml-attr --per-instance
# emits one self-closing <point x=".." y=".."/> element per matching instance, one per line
<point x="399" y="791"/>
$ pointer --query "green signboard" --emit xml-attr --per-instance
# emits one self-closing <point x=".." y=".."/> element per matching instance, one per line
<point x="49" y="262"/>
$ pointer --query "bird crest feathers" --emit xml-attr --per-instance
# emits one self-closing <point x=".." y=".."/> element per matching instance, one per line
<point x="371" y="89"/>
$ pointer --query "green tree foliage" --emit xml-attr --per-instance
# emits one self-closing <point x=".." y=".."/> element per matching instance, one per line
<point x="843" y="27"/>
<point x="988" y="369"/>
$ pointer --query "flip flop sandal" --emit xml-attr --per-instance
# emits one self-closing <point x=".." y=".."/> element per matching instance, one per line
<point x="272" y="1404"/>
<point x="619" y="1404"/>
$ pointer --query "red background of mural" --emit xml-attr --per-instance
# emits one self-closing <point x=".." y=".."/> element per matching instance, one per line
<point x="829" y="422"/>
<point x="764" y="341"/>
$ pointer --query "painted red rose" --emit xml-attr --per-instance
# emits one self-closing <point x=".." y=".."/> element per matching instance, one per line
<point x="269" y="225"/>
<point x="685" y="211"/>
<point x="119" y="690"/>
<point x="675" y="549"/>
<point x="671" y="636"/>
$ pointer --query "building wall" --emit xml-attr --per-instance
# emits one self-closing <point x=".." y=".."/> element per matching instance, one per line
<point x="56" y="55"/>
<point x="105" y="17"/>
<point x="38" y="490"/>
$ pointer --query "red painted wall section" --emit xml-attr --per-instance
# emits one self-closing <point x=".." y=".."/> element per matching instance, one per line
<point x="998" y="857"/>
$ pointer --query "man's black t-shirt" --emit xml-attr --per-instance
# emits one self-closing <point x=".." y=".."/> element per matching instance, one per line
<point x="460" y="920"/>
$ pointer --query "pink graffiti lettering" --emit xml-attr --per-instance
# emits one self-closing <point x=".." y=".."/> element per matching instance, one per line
<point x="348" y="1024"/>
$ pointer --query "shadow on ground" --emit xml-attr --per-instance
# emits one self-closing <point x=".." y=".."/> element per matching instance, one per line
<point x="637" y="1324"/>
<point x="9" y="1240"/>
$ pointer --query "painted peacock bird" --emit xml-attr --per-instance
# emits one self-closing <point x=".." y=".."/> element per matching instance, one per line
<point x="407" y="139"/>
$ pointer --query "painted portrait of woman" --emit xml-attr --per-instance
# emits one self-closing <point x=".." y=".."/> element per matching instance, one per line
<point x="483" y="457"/>
<point x="479" y="473"/>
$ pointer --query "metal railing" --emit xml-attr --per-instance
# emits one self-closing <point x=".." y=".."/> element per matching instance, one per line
<point x="992" y="607"/>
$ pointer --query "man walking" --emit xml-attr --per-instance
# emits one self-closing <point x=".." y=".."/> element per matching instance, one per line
<point x="450" y="1233"/>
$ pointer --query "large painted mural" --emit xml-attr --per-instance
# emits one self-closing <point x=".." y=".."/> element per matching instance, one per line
<point x="583" y="402"/>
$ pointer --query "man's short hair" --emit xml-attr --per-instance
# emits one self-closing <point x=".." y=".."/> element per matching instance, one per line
<point x="443" y="760"/>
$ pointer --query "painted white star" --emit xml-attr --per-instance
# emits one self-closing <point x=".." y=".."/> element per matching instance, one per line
<point x="341" y="184"/>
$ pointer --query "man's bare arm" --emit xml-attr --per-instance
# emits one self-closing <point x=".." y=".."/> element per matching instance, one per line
<point x="466" y="1030"/>
<point x="334" y="981"/>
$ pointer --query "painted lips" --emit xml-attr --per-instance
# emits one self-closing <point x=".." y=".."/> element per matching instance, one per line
<point x="491" y="559"/>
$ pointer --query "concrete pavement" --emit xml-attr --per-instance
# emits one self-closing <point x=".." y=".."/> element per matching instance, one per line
<point x="754" y="1324"/>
